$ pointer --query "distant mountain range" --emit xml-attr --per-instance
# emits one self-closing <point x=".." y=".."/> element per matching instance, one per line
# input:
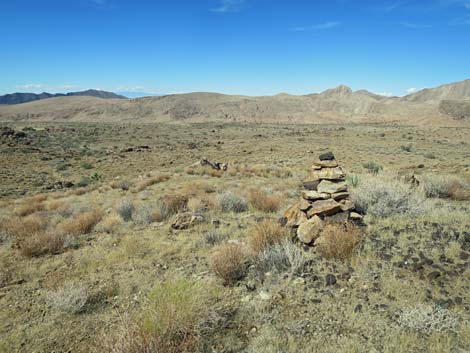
<point x="447" y="105"/>
<point x="18" y="98"/>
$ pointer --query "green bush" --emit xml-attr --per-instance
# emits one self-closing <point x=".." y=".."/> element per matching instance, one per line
<point x="352" y="180"/>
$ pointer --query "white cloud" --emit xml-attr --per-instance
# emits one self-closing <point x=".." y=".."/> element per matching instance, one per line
<point x="317" y="27"/>
<point x="30" y="86"/>
<point x="412" y="90"/>
<point x="386" y="94"/>
<point x="130" y="88"/>
<point x="393" y="6"/>
<point x="229" y="6"/>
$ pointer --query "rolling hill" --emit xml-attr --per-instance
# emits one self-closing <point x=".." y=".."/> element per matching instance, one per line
<point x="445" y="105"/>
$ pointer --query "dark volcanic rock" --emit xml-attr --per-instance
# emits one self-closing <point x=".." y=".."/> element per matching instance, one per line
<point x="433" y="275"/>
<point x="327" y="156"/>
<point x="330" y="279"/>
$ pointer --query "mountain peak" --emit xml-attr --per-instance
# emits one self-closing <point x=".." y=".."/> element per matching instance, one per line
<point x="341" y="90"/>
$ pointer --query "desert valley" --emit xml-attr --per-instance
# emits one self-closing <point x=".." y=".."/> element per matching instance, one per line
<point x="333" y="222"/>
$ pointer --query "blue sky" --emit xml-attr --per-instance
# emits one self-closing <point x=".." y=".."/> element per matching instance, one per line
<point x="253" y="47"/>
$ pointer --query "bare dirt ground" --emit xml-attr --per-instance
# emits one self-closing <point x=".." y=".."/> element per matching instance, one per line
<point x="89" y="260"/>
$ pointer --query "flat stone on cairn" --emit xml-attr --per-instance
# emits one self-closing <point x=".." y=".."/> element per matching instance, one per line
<point x="325" y="198"/>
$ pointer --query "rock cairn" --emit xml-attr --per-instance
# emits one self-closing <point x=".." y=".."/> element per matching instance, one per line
<point x="325" y="198"/>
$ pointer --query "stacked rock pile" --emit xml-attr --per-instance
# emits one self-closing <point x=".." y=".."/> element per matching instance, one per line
<point x="325" y="198"/>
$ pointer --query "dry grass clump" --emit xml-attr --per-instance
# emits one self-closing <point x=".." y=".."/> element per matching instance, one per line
<point x="174" y="203"/>
<point x="143" y="184"/>
<point x="167" y="206"/>
<point x="35" y="198"/>
<point x="22" y="227"/>
<point x="29" y="208"/>
<point x="264" y="201"/>
<point x="41" y="243"/>
<point x="71" y="298"/>
<point x="32" y="237"/>
<point x="82" y="223"/>
<point x="110" y="223"/>
<point x="266" y="233"/>
<point x="124" y="185"/>
<point x="228" y="262"/>
<point x="338" y="240"/>
<point x="174" y="320"/>
<point x="63" y="209"/>
<point x="445" y="186"/>
<point x="82" y="190"/>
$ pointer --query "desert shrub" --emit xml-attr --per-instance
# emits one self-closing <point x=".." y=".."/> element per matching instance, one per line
<point x="143" y="184"/>
<point x="35" y="198"/>
<point x="280" y="257"/>
<point x="81" y="190"/>
<point x="63" y="209"/>
<point x="444" y="186"/>
<point x="429" y="155"/>
<point x="230" y="202"/>
<point x="86" y="165"/>
<point x="174" y="203"/>
<point x="125" y="209"/>
<point x="124" y="185"/>
<point x="71" y="298"/>
<point x="212" y="238"/>
<point x="383" y="198"/>
<point x="338" y="240"/>
<point x="23" y="227"/>
<point x="143" y="215"/>
<point x="41" y="243"/>
<point x="174" y="320"/>
<point x="83" y="182"/>
<point x="197" y="205"/>
<point x="29" y="208"/>
<point x="165" y="207"/>
<point x="373" y="167"/>
<point x="267" y="233"/>
<point x="228" y="262"/>
<point x="427" y="319"/>
<point x="352" y="180"/>
<point x="407" y="148"/>
<point x="264" y="201"/>
<point x="61" y="166"/>
<point x="82" y="223"/>
<point x="160" y="213"/>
